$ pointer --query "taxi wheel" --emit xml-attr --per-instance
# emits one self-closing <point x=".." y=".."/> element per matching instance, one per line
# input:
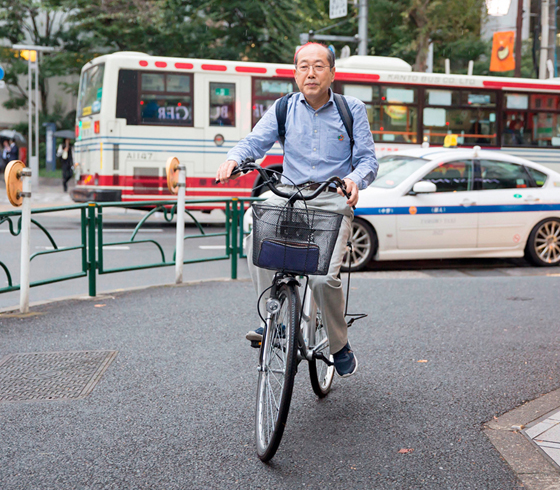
<point x="364" y="244"/>
<point x="543" y="245"/>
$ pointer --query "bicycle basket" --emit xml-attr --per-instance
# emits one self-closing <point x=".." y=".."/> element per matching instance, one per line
<point x="295" y="240"/>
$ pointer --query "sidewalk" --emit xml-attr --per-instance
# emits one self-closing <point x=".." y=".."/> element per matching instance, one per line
<point x="155" y="388"/>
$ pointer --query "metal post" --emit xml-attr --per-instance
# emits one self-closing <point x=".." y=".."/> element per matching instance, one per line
<point x="92" y="263"/>
<point x="363" y="28"/>
<point x="29" y="114"/>
<point x="234" y="222"/>
<point x="25" y="229"/>
<point x="180" y="239"/>
<point x="35" y="162"/>
<point x="544" y="39"/>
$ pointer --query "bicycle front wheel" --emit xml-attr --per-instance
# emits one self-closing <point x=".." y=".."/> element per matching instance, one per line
<point x="320" y="373"/>
<point x="278" y="365"/>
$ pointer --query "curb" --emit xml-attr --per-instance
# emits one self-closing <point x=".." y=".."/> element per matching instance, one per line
<point x="532" y="467"/>
<point x="5" y="311"/>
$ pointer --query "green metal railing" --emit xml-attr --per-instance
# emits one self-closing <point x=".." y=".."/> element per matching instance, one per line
<point x="92" y="237"/>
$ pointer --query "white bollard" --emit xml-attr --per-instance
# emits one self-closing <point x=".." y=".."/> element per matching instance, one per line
<point x="180" y="242"/>
<point x="25" y="228"/>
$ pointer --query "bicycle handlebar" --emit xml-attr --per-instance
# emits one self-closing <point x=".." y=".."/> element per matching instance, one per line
<point x="249" y="165"/>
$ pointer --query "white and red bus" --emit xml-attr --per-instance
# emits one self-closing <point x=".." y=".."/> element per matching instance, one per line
<point x="135" y="110"/>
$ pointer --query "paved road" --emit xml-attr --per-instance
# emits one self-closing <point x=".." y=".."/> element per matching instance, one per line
<point x="175" y="409"/>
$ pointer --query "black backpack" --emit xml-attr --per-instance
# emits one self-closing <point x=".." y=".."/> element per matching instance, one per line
<point x="341" y="105"/>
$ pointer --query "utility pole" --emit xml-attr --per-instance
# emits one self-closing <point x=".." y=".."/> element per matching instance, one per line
<point x="518" y="38"/>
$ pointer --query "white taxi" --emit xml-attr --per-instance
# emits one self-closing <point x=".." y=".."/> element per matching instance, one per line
<point x="440" y="203"/>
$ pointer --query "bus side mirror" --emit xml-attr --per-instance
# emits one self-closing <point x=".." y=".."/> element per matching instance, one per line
<point x="423" y="187"/>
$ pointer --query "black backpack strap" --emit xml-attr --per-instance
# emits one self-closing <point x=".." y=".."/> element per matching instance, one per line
<point x="346" y="116"/>
<point x="281" y="113"/>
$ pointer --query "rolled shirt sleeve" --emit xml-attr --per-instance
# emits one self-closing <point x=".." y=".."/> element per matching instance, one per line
<point x="259" y="141"/>
<point x="364" y="161"/>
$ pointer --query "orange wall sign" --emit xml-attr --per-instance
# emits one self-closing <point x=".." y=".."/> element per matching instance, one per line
<point x="502" y="51"/>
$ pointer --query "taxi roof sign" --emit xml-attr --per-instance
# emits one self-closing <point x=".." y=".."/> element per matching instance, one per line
<point x="450" y="141"/>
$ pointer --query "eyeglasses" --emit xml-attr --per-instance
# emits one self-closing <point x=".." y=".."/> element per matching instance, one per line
<point x="316" y="68"/>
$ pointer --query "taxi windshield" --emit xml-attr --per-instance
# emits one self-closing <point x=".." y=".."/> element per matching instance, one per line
<point x="393" y="169"/>
<point x="91" y="91"/>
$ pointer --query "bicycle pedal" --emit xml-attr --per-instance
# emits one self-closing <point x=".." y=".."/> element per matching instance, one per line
<point x="256" y="344"/>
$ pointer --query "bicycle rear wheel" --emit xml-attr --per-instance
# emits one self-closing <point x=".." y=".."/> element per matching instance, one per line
<point x="277" y="372"/>
<point x="321" y="374"/>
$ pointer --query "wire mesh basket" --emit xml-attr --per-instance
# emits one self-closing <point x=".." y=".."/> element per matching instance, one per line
<point x="295" y="240"/>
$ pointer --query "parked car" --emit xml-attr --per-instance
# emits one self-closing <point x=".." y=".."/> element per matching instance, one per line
<point x="440" y="203"/>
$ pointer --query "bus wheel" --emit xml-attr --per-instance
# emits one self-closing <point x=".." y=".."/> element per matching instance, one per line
<point x="543" y="245"/>
<point x="364" y="246"/>
<point x="260" y="187"/>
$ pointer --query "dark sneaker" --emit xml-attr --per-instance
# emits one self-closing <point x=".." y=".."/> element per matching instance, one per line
<point x="255" y="335"/>
<point x="345" y="361"/>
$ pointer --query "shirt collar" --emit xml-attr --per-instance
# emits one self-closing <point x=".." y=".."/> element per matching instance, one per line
<point x="329" y="102"/>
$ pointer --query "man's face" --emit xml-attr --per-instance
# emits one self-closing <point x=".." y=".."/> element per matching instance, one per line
<point x="313" y="73"/>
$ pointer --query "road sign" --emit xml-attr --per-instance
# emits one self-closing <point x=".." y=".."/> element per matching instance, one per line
<point x="2" y="84"/>
<point x="1" y="72"/>
<point x="338" y="8"/>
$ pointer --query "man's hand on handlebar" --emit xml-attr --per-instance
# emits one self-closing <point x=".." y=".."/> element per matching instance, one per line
<point x="351" y="190"/>
<point x="224" y="171"/>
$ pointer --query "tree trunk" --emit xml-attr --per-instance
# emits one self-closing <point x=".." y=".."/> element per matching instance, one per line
<point x="423" y="41"/>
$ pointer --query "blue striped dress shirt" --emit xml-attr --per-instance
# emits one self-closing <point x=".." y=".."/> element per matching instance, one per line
<point x="317" y="146"/>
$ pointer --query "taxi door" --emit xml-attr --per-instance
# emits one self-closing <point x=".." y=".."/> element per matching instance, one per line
<point x="446" y="219"/>
<point x="506" y="195"/>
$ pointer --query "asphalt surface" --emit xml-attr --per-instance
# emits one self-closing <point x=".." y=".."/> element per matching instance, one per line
<point x="176" y="407"/>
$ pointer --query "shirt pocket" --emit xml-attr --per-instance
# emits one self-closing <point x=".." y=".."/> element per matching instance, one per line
<point x="338" y="145"/>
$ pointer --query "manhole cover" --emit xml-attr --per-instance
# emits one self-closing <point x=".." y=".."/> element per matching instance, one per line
<point x="52" y="375"/>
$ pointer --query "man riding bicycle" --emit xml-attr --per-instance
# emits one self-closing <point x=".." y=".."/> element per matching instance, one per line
<point x="316" y="147"/>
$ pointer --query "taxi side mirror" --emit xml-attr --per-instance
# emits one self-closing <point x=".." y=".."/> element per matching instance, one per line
<point x="423" y="187"/>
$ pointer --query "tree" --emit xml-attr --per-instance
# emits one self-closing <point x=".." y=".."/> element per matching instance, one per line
<point x="42" y="23"/>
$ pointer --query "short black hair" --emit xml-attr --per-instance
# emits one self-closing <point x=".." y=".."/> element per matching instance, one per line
<point x="330" y="55"/>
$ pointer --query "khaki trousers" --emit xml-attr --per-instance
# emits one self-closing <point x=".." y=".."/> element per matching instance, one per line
<point x="327" y="290"/>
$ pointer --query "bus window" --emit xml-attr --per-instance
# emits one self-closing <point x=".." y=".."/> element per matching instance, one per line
<point x="443" y="98"/>
<point x="265" y="92"/>
<point x="471" y="115"/>
<point x="395" y="123"/>
<point x="545" y="102"/>
<point x="127" y="96"/>
<point x="478" y="99"/>
<point x="473" y="127"/>
<point x="222" y="104"/>
<point x="166" y="98"/>
<point x="392" y="111"/>
<point x="91" y="90"/>
<point x="523" y="126"/>
<point x="398" y="119"/>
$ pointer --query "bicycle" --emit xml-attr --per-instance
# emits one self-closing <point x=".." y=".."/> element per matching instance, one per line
<point x="295" y="243"/>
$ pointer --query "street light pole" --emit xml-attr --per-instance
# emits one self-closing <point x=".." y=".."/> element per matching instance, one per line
<point x="33" y="159"/>
<point x="363" y="28"/>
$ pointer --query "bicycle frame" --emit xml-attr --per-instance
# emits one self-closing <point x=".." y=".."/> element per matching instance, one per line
<point x="307" y="318"/>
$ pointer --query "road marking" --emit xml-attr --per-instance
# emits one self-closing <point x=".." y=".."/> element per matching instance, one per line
<point x="212" y="247"/>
